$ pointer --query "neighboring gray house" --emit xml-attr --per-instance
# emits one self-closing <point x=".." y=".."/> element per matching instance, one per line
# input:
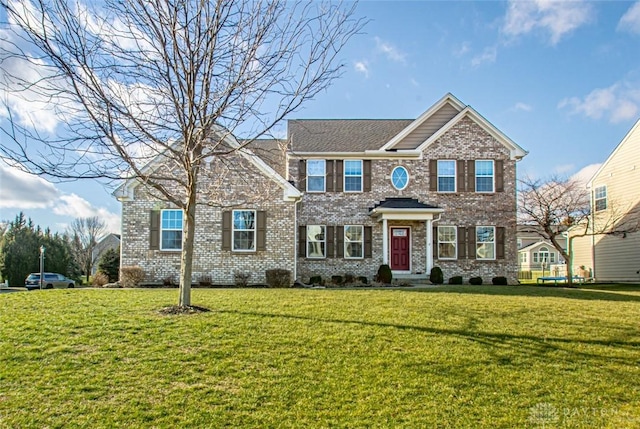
<point x="533" y="250"/>
<point x="437" y="190"/>
<point x="109" y="241"/>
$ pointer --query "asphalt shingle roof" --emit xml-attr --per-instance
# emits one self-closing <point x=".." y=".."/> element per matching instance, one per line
<point x="342" y="135"/>
<point x="403" y="203"/>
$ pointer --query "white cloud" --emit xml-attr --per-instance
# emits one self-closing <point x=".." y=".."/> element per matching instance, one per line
<point x="362" y="67"/>
<point x="555" y="17"/>
<point x="630" y="21"/>
<point x="523" y="107"/>
<point x="586" y="173"/>
<point x="619" y="102"/>
<point x="489" y="55"/>
<point x="564" y="168"/>
<point x="73" y="205"/>
<point x="389" y="50"/>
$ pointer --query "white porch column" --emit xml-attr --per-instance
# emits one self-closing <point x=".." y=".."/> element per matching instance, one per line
<point x="428" y="224"/>
<point x="385" y="242"/>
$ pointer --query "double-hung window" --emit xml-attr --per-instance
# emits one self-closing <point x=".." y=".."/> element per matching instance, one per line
<point x="244" y="230"/>
<point x="353" y="241"/>
<point x="316" y="172"/>
<point x="316" y="241"/>
<point x="353" y="175"/>
<point x="171" y="229"/>
<point x="447" y="242"/>
<point x="446" y="176"/>
<point x="486" y="242"/>
<point x="484" y="176"/>
<point x="600" y="198"/>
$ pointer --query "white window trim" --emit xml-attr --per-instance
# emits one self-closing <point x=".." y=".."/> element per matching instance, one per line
<point x="324" y="256"/>
<point x="455" y="243"/>
<point x="324" y="176"/>
<point x="492" y="242"/>
<point x="344" y="176"/>
<point x="493" y="176"/>
<point x="233" y="230"/>
<point x="595" y="199"/>
<point x="352" y="241"/>
<point x="455" y="176"/>
<point x="171" y="229"/>
<point x="408" y="177"/>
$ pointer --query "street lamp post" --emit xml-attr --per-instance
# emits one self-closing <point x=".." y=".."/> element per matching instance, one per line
<point x="42" y="249"/>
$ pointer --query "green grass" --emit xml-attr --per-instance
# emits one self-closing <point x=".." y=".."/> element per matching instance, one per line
<point x="445" y="357"/>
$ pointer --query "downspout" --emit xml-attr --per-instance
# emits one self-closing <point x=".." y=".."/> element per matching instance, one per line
<point x="593" y="237"/>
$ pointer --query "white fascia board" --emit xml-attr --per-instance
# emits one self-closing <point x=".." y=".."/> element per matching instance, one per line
<point x="516" y="152"/>
<point x="448" y="98"/>
<point x="634" y="129"/>
<point x="367" y="154"/>
<point x="405" y="214"/>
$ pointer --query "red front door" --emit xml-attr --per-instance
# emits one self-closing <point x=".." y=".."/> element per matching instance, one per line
<point x="400" y="249"/>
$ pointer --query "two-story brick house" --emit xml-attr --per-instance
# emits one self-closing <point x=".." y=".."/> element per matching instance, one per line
<point x="437" y="190"/>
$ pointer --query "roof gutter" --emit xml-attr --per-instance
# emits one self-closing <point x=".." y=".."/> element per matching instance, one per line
<point x="400" y="154"/>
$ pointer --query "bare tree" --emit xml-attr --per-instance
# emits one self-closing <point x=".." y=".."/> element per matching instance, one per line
<point x="561" y="206"/>
<point x="85" y="232"/>
<point x="162" y="80"/>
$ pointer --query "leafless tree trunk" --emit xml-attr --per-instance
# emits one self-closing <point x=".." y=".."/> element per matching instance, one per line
<point x="136" y="80"/>
<point x="561" y="206"/>
<point x="85" y="232"/>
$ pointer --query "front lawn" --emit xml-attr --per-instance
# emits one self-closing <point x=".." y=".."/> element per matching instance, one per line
<point x="465" y="356"/>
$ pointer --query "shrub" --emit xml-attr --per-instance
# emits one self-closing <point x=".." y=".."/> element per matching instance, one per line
<point x="349" y="278"/>
<point x="278" y="278"/>
<point x="100" y="279"/>
<point x="363" y="280"/>
<point x="241" y="279"/>
<point x="316" y="280"/>
<point x="384" y="274"/>
<point x="336" y="280"/>
<point x="500" y="280"/>
<point x="205" y="281"/>
<point x="131" y="276"/>
<point x="169" y="281"/>
<point x="436" y="277"/>
<point x="455" y="280"/>
<point x="475" y="281"/>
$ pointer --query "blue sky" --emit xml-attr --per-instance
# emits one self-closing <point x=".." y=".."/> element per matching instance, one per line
<point x="562" y="79"/>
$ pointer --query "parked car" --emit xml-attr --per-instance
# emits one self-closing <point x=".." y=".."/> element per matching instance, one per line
<point x="51" y="280"/>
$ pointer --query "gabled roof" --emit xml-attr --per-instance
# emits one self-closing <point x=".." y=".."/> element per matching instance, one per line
<point x="403" y="203"/>
<point x="291" y="193"/>
<point x="538" y="244"/>
<point x="627" y="137"/>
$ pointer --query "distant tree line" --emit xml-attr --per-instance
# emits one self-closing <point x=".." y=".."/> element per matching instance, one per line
<point x="70" y="253"/>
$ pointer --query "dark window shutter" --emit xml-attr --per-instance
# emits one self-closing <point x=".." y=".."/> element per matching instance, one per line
<point x="434" y="240"/>
<point x="339" y="176"/>
<point x="471" y="176"/>
<point x="154" y="230"/>
<point x="433" y="175"/>
<point x="366" y="175"/>
<point x="261" y="230"/>
<point x="302" y="175"/>
<point x="340" y="240"/>
<point x="462" y="242"/>
<point x="368" y="242"/>
<point x="302" y="241"/>
<point x="329" y="175"/>
<point x="460" y="182"/>
<point x="226" y="230"/>
<point x="471" y="242"/>
<point x="500" y="231"/>
<point x="330" y="240"/>
<point x="499" y="171"/>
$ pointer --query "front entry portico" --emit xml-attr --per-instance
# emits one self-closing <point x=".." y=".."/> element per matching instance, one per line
<point x="396" y="240"/>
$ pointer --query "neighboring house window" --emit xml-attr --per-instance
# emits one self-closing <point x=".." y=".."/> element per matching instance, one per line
<point x="353" y="176"/>
<point x="485" y="242"/>
<point x="244" y="230"/>
<point x="315" y="175"/>
<point x="171" y="229"/>
<point x="544" y="255"/>
<point x="316" y="241"/>
<point x="484" y="176"/>
<point x="399" y="178"/>
<point x="600" y="197"/>
<point x="447" y="242"/>
<point x="446" y="176"/>
<point x="523" y="258"/>
<point x="353" y="241"/>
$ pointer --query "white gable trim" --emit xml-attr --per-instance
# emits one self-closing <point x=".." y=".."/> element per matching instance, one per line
<point x="516" y="152"/>
<point x="448" y="98"/>
<point x="634" y="129"/>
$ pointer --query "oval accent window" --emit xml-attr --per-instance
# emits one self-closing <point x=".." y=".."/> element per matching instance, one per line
<point x="399" y="178"/>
